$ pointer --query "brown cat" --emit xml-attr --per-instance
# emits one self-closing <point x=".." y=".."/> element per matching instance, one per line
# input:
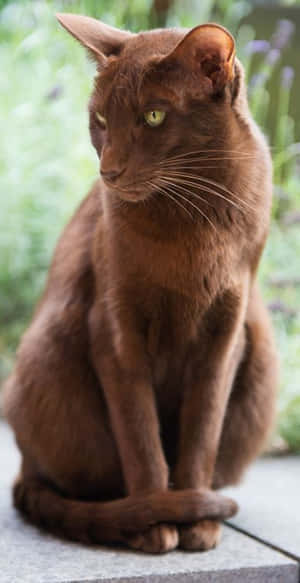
<point x="147" y="377"/>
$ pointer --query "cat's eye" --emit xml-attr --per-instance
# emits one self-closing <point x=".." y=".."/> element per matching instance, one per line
<point x="101" y="119"/>
<point x="155" y="117"/>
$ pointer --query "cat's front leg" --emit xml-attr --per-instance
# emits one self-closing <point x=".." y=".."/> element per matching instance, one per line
<point x="209" y="378"/>
<point x="120" y="359"/>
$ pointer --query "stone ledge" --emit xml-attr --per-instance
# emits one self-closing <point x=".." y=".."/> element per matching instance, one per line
<point x="269" y="502"/>
<point x="29" y="556"/>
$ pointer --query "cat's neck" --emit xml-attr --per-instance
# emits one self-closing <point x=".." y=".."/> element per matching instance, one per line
<point x="158" y="218"/>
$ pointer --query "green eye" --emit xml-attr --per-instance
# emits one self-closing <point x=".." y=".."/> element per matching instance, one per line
<point x="101" y="119"/>
<point x="154" y="118"/>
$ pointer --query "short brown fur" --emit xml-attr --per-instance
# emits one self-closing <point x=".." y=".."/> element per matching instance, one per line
<point x="147" y="377"/>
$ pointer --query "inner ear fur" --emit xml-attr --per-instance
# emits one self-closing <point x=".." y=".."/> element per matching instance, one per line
<point x="207" y="50"/>
<point x="99" y="38"/>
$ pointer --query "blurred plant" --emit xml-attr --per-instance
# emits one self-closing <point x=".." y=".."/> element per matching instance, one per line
<point x="271" y="53"/>
<point x="290" y="424"/>
<point x="265" y="71"/>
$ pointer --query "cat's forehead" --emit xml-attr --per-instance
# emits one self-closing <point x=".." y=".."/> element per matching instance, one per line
<point x="121" y="80"/>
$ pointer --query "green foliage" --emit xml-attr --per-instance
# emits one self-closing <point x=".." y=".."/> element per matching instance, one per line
<point x="47" y="162"/>
<point x="290" y="423"/>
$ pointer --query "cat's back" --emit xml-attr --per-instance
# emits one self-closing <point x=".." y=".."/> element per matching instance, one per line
<point x="71" y="264"/>
<point x="69" y="287"/>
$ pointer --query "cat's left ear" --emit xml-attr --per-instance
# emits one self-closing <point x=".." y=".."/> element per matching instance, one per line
<point x="207" y="50"/>
<point x="99" y="38"/>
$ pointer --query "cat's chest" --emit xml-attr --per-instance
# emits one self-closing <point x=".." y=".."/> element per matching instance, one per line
<point x="177" y="309"/>
<point x="190" y="270"/>
<point x="174" y="285"/>
<point x="174" y="326"/>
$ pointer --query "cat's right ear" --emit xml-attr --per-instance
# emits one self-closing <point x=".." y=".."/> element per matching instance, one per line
<point x="206" y="52"/>
<point x="100" y="39"/>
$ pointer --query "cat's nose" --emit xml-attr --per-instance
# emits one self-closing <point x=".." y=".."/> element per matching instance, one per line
<point x="111" y="175"/>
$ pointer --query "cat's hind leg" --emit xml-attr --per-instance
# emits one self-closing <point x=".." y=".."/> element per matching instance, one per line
<point x="251" y="408"/>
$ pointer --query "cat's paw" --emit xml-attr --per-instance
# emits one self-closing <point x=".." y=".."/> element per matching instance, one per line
<point x="160" y="538"/>
<point x="202" y="536"/>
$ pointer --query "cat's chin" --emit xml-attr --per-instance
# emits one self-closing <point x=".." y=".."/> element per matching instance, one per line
<point x="134" y="196"/>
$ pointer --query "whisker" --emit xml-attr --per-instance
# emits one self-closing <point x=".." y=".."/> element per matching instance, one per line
<point x="207" y="151"/>
<point x="201" y="179"/>
<point x="168" y="188"/>
<point x="171" y="186"/>
<point x="209" y="190"/>
<point x="188" y="191"/>
<point x="194" y="206"/>
<point x="169" y="162"/>
<point x="187" y="167"/>
<point x="168" y="195"/>
<point x="228" y="191"/>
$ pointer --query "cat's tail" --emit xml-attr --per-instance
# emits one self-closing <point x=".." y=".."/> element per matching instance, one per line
<point x="99" y="522"/>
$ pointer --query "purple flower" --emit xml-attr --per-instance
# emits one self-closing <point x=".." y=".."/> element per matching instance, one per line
<point x="272" y="57"/>
<point x="283" y="34"/>
<point x="287" y="77"/>
<point x="257" y="46"/>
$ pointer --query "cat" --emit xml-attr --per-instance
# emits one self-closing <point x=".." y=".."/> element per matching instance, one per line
<point x="147" y="378"/>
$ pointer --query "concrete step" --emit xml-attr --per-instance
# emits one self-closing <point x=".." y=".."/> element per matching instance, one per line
<point x="269" y="500"/>
<point x="30" y="556"/>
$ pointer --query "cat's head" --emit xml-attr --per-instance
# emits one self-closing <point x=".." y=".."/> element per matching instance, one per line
<point x="161" y="98"/>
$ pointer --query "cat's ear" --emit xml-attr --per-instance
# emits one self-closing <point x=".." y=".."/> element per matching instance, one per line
<point x="100" y="39"/>
<point x="207" y="50"/>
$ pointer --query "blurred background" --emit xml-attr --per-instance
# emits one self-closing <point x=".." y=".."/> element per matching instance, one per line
<point x="47" y="163"/>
